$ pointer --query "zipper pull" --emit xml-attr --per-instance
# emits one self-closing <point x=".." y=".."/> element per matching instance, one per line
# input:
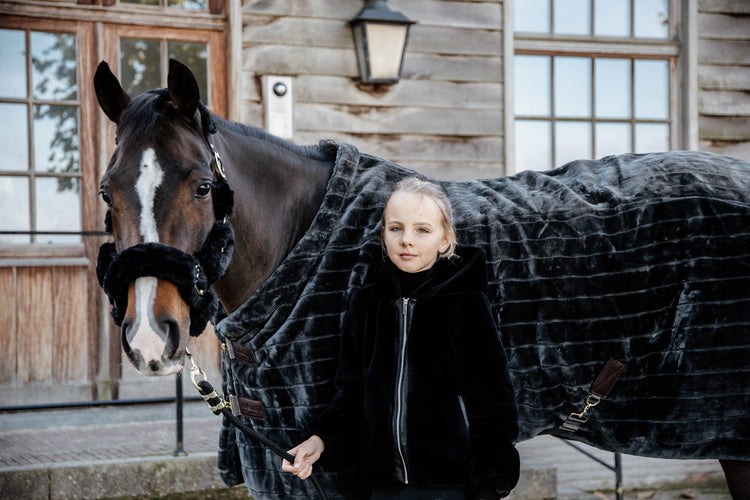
<point x="405" y="307"/>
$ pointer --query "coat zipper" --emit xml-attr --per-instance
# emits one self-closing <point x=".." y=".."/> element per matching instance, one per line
<point x="400" y="387"/>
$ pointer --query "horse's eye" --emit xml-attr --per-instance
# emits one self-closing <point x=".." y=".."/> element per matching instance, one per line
<point x="203" y="190"/>
<point x="106" y="198"/>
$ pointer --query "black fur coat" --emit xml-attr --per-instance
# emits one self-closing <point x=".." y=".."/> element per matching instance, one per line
<point x="454" y="408"/>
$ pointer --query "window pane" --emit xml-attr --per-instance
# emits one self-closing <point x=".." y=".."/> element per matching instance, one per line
<point x="652" y="89"/>
<point x="532" y="16"/>
<point x="572" y="141"/>
<point x="13" y="56"/>
<point x="572" y="17"/>
<point x="142" y="2"/>
<point x="533" y="145"/>
<point x="14" y="205"/>
<point x="532" y="85"/>
<point x="612" y="139"/>
<point x="573" y="86"/>
<point x="651" y="137"/>
<point x="140" y="65"/>
<point x="612" y="78"/>
<point x="53" y="60"/>
<point x="57" y="209"/>
<point x="56" y="139"/>
<point x="651" y="19"/>
<point x="14" y="141"/>
<point x="189" y="4"/>
<point x="612" y="17"/>
<point x="195" y="57"/>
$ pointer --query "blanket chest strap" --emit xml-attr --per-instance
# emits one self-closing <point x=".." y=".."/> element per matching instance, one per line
<point x="244" y="407"/>
<point x="238" y="351"/>
<point x="600" y="389"/>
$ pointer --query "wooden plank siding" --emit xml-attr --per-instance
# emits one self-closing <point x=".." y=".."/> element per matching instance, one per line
<point x="9" y="321"/>
<point x="724" y="76"/>
<point x="444" y="118"/>
<point x="44" y="346"/>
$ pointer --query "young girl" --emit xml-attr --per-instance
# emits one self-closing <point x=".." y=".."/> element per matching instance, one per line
<point x="424" y="398"/>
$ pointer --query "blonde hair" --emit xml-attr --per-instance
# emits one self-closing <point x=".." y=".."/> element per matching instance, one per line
<point x="440" y="197"/>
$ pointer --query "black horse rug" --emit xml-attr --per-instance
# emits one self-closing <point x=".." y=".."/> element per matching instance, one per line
<point x="640" y="258"/>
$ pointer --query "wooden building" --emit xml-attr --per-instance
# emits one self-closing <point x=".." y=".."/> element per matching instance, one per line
<point x="488" y="88"/>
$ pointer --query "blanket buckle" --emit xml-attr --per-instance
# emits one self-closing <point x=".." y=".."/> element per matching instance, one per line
<point x="576" y="420"/>
<point x="599" y="390"/>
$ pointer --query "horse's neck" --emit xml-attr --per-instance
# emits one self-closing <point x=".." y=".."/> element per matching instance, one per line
<point x="277" y="193"/>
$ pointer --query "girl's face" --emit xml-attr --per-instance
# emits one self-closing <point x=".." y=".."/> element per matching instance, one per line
<point x="413" y="231"/>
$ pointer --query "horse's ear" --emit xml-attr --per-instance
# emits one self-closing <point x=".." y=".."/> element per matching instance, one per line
<point x="109" y="93"/>
<point x="183" y="88"/>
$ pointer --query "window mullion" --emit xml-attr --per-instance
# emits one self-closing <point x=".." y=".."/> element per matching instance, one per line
<point x="593" y="106"/>
<point x="633" y="145"/>
<point x="553" y="115"/>
<point x="31" y="167"/>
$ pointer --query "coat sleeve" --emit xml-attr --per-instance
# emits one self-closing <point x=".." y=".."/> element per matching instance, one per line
<point x="490" y="400"/>
<point x="339" y="423"/>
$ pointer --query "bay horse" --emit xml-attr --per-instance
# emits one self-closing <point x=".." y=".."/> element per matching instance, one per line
<point x="300" y="229"/>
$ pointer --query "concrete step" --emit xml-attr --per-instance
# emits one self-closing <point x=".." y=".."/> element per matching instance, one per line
<point x="122" y="452"/>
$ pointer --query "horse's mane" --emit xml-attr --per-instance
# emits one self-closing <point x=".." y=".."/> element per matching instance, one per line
<point x="320" y="152"/>
<point x="150" y="111"/>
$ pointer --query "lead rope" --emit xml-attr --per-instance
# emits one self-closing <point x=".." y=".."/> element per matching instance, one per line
<point x="220" y="407"/>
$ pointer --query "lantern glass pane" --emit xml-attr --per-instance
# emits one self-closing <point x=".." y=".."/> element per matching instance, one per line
<point x="385" y="47"/>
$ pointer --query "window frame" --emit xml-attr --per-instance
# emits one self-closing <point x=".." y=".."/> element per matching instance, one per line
<point x="679" y="49"/>
<point x="84" y="101"/>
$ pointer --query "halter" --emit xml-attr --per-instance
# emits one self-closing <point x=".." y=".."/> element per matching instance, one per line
<point x="193" y="275"/>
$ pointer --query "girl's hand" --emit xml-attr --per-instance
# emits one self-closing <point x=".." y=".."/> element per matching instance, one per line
<point x="305" y="455"/>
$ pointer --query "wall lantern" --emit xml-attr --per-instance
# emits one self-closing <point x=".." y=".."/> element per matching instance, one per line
<point x="380" y="36"/>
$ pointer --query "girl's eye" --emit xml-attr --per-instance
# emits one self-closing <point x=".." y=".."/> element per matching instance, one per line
<point x="423" y="230"/>
<point x="395" y="228"/>
<point x="203" y="190"/>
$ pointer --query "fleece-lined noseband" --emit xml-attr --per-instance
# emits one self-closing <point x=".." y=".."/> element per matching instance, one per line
<point x="193" y="275"/>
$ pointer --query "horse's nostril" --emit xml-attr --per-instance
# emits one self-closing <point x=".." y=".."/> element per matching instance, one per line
<point x="127" y="335"/>
<point x="171" y="328"/>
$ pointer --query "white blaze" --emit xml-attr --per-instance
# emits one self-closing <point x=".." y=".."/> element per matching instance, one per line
<point x="146" y="185"/>
<point x="145" y="338"/>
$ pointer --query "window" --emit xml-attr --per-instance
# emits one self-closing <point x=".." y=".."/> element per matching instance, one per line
<point x="40" y="169"/>
<point x="140" y="58"/>
<point x="592" y="78"/>
<point x="180" y="4"/>
<point x="144" y="63"/>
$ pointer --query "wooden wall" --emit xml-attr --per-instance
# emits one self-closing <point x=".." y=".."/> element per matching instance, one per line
<point x="444" y="118"/>
<point x="44" y="348"/>
<point x="724" y="76"/>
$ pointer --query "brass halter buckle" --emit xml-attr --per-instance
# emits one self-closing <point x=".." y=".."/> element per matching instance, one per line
<point x="216" y="165"/>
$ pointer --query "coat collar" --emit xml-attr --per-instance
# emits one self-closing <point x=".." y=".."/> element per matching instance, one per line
<point x="465" y="272"/>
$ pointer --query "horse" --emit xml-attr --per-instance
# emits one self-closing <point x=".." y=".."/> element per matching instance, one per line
<point x="205" y="211"/>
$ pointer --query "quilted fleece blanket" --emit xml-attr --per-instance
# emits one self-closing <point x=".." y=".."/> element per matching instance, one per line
<point x="640" y="258"/>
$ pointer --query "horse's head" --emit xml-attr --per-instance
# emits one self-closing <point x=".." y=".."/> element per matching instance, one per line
<point x="167" y="202"/>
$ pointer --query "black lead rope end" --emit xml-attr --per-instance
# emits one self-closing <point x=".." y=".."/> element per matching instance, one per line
<point x="210" y="396"/>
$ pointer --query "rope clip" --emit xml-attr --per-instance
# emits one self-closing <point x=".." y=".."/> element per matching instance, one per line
<point x="195" y="370"/>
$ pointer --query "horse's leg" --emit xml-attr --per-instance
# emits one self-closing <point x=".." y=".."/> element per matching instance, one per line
<point x="737" y="473"/>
